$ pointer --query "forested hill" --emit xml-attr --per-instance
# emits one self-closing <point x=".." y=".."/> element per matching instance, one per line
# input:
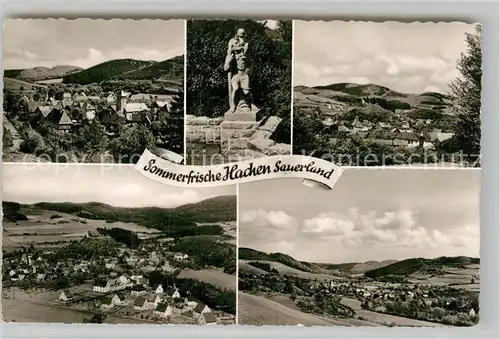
<point x="222" y="208"/>
<point x="122" y="69"/>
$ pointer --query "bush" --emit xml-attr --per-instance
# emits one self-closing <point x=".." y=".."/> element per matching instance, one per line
<point x="33" y="143"/>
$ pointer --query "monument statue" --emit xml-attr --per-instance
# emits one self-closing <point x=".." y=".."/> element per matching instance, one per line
<point x="238" y="78"/>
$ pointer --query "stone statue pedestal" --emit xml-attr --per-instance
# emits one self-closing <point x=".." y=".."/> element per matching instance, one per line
<point x="247" y="115"/>
<point x="237" y="128"/>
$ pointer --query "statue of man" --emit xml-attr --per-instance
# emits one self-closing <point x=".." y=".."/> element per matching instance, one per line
<point x="236" y="48"/>
<point x="241" y="82"/>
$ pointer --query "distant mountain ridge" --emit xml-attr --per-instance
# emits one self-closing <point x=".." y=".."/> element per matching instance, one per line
<point x="349" y="95"/>
<point x="221" y="208"/>
<point x="371" y="269"/>
<point x="130" y="69"/>
<point x="40" y="73"/>
<point x="421" y="265"/>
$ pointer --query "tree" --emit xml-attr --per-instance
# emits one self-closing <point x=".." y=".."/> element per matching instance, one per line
<point x="466" y="91"/>
<point x="128" y="147"/>
<point x="90" y="139"/>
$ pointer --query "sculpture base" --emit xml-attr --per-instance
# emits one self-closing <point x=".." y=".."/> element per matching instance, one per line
<point x="243" y="115"/>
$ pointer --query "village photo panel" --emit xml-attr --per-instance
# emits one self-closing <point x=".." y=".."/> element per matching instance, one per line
<point x="384" y="247"/>
<point x="238" y="91"/>
<point x="87" y="244"/>
<point x="388" y="93"/>
<point x="100" y="91"/>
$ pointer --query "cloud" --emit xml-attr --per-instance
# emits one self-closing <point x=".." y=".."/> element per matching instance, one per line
<point x="389" y="54"/>
<point x="119" y="186"/>
<point x="267" y="230"/>
<point x="396" y="229"/>
<point x="328" y="224"/>
<point x="264" y="218"/>
<point x="86" y="42"/>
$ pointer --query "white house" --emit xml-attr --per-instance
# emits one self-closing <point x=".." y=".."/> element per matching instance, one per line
<point x="102" y="286"/>
<point x="158" y="289"/>
<point x="153" y="301"/>
<point x="40" y="277"/>
<point x="66" y="295"/>
<point x="123" y="279"/>
<point x="472" y="313"/>
<point x="163" y="310"/>
<point x="207" y="318"/>
<point x="190" y="301"/>
<point x="110" y="301"/>
<point x="138" y="290"/>
<point x="173" y="293"/>
<point x="140" y="304"/>
<point x="110" y="265"/>
<point x="136" y="277"/>
<point x="180" y="256"/>
<point x="202" y="308"/>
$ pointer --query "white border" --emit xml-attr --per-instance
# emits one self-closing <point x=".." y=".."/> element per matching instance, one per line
<point x="292" y="82"/>
<point x="237" y="248"/>
<point x="185" y="91"/>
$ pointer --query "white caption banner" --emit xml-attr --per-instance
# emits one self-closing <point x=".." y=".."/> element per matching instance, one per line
<point x="316" y="172"/>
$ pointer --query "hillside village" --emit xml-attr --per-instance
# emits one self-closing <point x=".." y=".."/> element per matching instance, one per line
<point x="447" y="296"/>
<point x="347" y="119"/>
<point x="93" y="119"/>
<point x="118" y="275"/>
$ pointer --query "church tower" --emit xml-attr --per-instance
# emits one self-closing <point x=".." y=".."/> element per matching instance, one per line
<point x="121" y="101"/>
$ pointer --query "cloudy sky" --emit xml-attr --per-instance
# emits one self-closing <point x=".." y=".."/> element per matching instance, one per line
<point x="387" y="214"/>
<point x="86" y="42"/>
<point x="406" y="57"/>
<point x="120" y="186"/>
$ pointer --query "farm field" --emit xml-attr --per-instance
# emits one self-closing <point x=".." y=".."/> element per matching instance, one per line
<point x="212" y="276"/>
<point x="41" y="228"/>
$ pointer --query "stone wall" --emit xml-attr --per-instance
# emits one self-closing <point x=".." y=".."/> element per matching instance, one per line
<point x="239" y="140"/>
<point x="202" y="129"/>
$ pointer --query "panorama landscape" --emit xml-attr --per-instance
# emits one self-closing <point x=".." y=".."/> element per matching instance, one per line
<point x="143" y="256"/>
<point x="101" y="98"/>
<point x="388" y="258"/>
<point x="391" y="93"/>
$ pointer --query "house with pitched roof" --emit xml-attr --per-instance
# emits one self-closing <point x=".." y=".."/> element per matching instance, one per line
<point x="101" y="285"/>
<point x="190" y="301"/>
<point x="158" y="288"/>
<point x="135" y="112"/>
<point x="138" y="290"/>
<point x="89" y="111"/>
<point x="110" y="301"/>
<point x="140" y="304"/>
<point x="207" y="318"/>
<point x="201" y="308"/>
<point x="60" y="119"/>
<point x="173" y="293"/>
<point x="153" y="301"/>
<point x="163" y="310"/>
<point x="66" y="295"/>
